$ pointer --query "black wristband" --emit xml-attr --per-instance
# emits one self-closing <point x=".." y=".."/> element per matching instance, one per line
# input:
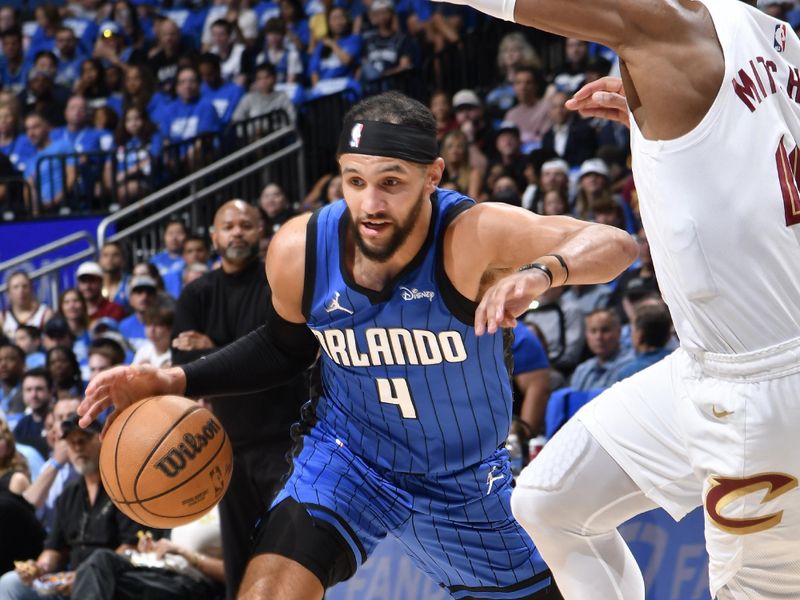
<point x="564" y="266"/>
<point x="541" y="267"/>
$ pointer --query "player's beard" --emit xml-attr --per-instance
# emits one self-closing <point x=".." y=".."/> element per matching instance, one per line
<point x="399" y="235"/>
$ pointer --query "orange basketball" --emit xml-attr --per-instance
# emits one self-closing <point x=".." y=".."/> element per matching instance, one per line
<point x="166" y="461"/>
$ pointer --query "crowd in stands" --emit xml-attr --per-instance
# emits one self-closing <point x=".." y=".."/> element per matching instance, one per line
<point x="132" y="78"/>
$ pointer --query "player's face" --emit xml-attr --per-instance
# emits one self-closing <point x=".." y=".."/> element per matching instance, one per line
<point x="385" y="197"/>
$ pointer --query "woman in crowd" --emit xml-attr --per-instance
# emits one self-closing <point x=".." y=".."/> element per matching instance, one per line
<point x="13" y="142"/>
<point x="92" y="83"/>
<point x="13" y="467"/>
<point x="441" y="106"/>
<point x="465" y="177"/>
<point x="23" y="306"/>
<point x="337" y="54"/>
<point x="514" y="51"/>
<point x="65" y="371"/>
<point x="73" y="308"/>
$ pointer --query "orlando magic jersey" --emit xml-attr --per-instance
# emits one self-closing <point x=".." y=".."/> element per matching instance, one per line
<point x="406" y="383"/>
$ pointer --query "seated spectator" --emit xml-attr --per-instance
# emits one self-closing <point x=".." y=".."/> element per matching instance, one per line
<point x="571" y="75"/>
<point x="13" y="69"/>
<point x="553" y="176"/>
<point x="105" y="352"/>
<point x="29" y="339"/>
<point x="225" y="95"/>
<point x="386" y="50"/>
<point x="115" y="279"/>
<point x="555" y="202"/>
<point x="142" y="297"/>
<point x="165" y="56"/>
<point x="508" y="149"/>
<point x="135" y="45"/>
<point x="148" y="269"/>
<point x="190" y="116"/>
<point x="48" y="20"/>
<point x="14" y="474"/>
<point x="262" y="98"/>
<point x="74" y="314"/>
<point x="651" y="332"/>
<point x="570" y="137"/>
<point x="12" y="367"/>
<point x="506" y="190"/>
<point x="275" y="208"/>
<point x="65" y="372"/>
<point x="195" y="271"/>
<point x="336" y="56"/>
<point x="56" y="332"/>
<point x="458" y="170"/>
<point x="194" y="550"/>
<point x="228" y="50"/>
<point x="24" y="308"/>
<point x="531" y="380"/>
<point x="13" y="142"/>
<point x="90" y="286"/>
<point x="49" y="173"/>
<point x="78" y="132"/>
<point x="195" y="250"/>
<point x="92" y="83"/>
<point x="278" y="52"/>
<point x="170" y="260"/>
<point x="132" y="172"/>
<point x="37" y="395"/>
<point x="327" y="189"/>
<point x="297" y="31"/>
<point x="85" y="521"/>
<point x="239" y="14"/>
<point x="441" y="106"/>
<point x="42" y="95"/>
<point x="69" y="57"/>
<point x="532" y="114"/>
<point x="593" y="188"/>
<point x="471" y="119"/>
<point x="562" y="325"/>
<point x="139" y="90"/>
<point x="158" y="330"/>
<point x="514" y="51"/>
<point x="603" y="340"/>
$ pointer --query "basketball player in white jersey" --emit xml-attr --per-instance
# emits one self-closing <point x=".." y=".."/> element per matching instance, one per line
<point x="713" y="88"/>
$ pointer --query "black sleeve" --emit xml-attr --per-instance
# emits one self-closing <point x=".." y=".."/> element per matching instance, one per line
<point x="188" y="309"/>
<point x="265" y="358"/>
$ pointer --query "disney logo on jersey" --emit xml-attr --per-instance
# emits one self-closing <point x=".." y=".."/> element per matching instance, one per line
<point x="779" y="42"/>
<point x="415" y="294"/>
<point x="334" y="304"/>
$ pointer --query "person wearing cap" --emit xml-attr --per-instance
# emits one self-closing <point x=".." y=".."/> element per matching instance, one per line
<point x="48" y="180"/>
<point x="85" y="520"/>
<point x="570" y="136"/>
<point x="41" y="93"/>
<point x="470" y="118"/>
<point x="532" y="112"/>
<point x="141" y="296"/>
<point x="57" y="332"/>
<point x="90" y="286"/>
<point x="386" y="50"/>
<point x="593" y="187"/>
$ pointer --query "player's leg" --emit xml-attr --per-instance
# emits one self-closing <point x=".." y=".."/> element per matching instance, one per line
<point x="573" y="519"/>
<point x="623" y="454"/>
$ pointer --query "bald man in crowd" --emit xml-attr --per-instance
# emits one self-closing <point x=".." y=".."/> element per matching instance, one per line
<point x="212" y="311"/>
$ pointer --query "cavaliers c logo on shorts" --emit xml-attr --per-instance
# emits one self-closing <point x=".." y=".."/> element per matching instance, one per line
<point x="725" y="490"/>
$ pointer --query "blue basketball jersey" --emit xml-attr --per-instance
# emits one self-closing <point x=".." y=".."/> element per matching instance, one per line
<point x="406" y="383"/>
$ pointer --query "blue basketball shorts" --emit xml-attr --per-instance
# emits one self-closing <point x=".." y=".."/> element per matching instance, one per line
<point x="457" y="527"/>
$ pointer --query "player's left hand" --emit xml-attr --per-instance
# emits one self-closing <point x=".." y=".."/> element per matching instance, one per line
<point x="507" y="299"/>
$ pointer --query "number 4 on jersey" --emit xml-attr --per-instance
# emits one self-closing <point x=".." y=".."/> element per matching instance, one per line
<point x="395" y="391"/>
<point x="788" y="167"/>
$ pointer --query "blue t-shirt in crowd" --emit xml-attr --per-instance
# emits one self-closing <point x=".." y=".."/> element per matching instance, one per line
<point x="527" y="350"/>
<point x="591" y="375"/>
<point x="87" y="139"/>
<point x="168" y="265"/>
<point x="330" y="66"/>
<point x="132" y="328"/>
<point x="19" y="152"/>
<point x="642" y="361"/>
<point x="185" y="121"/>
<point x="50" y="179"/>
<point x="86" y="31"/>
<point x="225" y="98"/>
<point x="13" y="81"/>
<point x="69" y="70"/>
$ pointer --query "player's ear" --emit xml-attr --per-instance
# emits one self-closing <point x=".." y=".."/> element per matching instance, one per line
<point x="435" y="172"/>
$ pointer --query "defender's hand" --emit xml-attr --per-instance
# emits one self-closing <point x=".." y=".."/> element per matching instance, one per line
<point x="123" y="386"/>
<point x="604" y="98"/>
<point x="507" y="299"/>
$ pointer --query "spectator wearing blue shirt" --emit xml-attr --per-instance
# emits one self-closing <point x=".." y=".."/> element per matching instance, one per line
<point x="142" y="295"/>
<point x="224" y="95"/>
<point x="69" y="57"/>
<point x="29" y="339"/>
<point x="48" y="20"/>
<point x="115" y="279"/>
<point x="171" y="259"/>
<point x="37" y="394"/>
<point x="48" y="180"/>
<point x="133" y="169"/>
<point x="603" y="339"/>
<point x="531" y="378"/>
<point x="651" y="332"/>
<point x="297" y="30"/>
<point x="12" y="366"/>
<point x="13" y="143"/>
<point x="13" y="70"/>
<point x="337" y="55"/>
<point x="190" y="116"/>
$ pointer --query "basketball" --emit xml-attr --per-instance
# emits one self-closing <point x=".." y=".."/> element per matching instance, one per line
<point x="165" y="461"/>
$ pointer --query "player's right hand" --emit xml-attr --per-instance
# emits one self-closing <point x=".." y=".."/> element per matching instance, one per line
<point x="123" y="386"/>
<point x="604" y="98"/>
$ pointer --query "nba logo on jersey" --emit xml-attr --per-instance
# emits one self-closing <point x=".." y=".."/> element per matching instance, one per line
<point x="779" y="43"/>
<point x="355" y="135"/>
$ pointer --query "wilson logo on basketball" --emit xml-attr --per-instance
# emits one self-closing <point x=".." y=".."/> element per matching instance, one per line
<point x="176" y="459"/>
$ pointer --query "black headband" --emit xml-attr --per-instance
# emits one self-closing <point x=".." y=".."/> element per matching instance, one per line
<point x="376" y="138"/>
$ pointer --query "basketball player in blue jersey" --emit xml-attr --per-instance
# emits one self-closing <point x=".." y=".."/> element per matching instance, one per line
<point x="391" y="287"/>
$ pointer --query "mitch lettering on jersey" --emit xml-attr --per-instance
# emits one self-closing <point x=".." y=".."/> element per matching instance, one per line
<point x="758" y="81"/>
<point x="387" y="347"/>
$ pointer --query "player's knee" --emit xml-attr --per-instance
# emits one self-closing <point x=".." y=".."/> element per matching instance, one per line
<point x="534" y="509"/>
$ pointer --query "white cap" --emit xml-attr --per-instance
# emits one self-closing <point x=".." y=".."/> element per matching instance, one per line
<point x="466" y="98"/>
<point x="89" y="268"/>
<point x="558" y="164"/>
<point x="593" y="165"/>
<point x="381" y="4"/>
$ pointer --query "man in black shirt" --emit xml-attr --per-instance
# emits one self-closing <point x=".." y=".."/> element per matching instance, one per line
<point x="386" y="50"/>
<point x="85" y="521"/>
<point x="213" y="311"/>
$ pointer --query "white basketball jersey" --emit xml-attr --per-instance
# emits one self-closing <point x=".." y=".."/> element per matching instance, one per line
<point x="721" y="204"/>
